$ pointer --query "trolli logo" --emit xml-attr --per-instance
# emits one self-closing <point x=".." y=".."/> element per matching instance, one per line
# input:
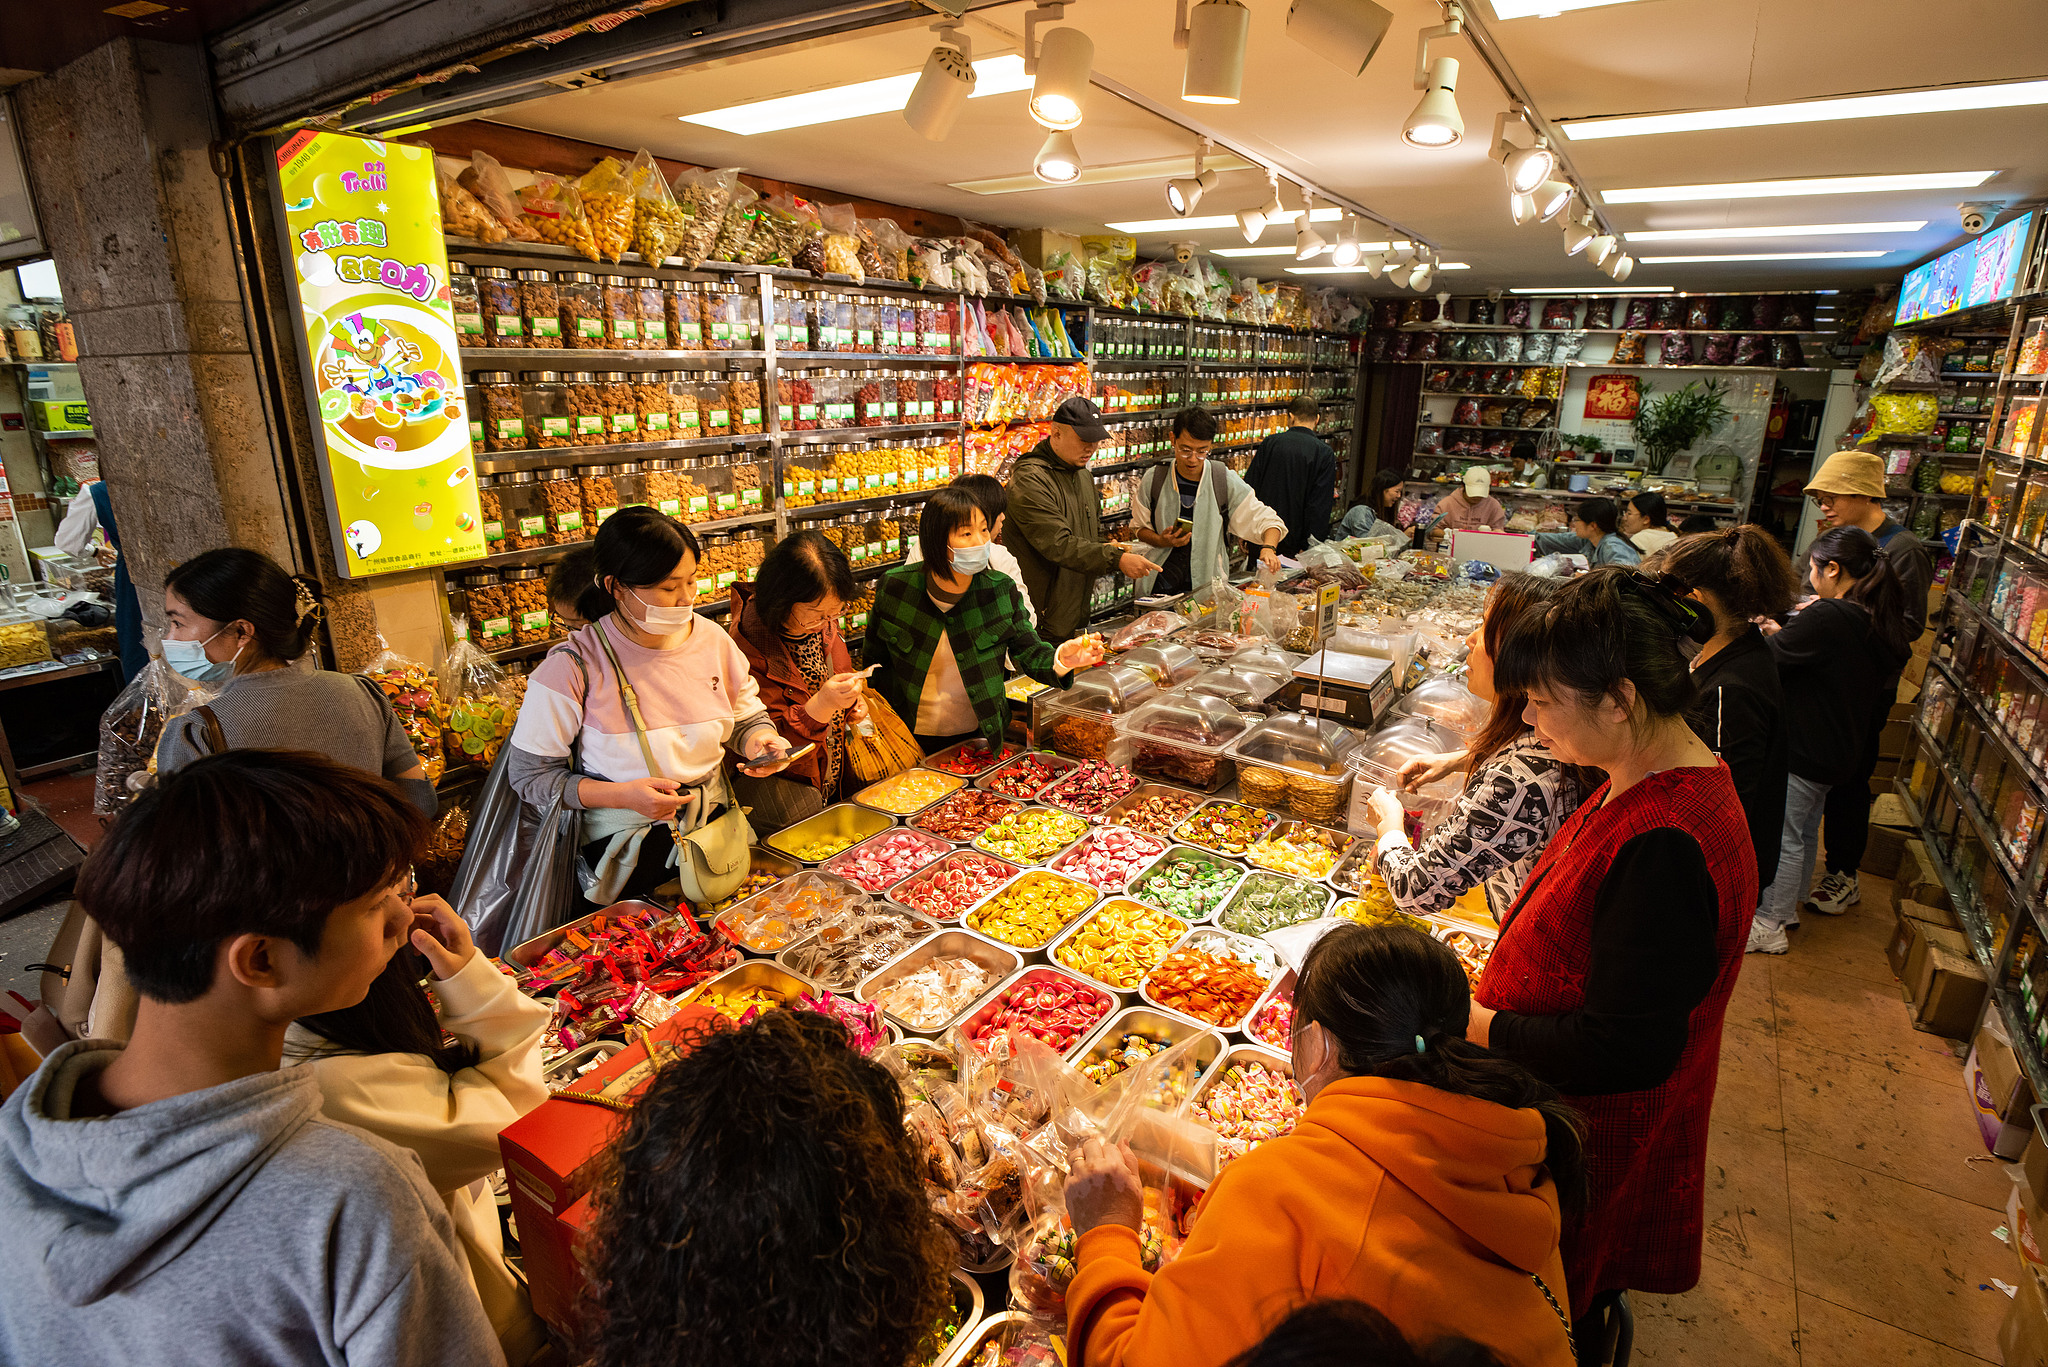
<point x="372" y="178"/>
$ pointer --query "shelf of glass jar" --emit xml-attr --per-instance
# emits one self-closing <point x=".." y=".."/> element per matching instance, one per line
<point x="822" y="473"/>
<point x="564" y="504"/>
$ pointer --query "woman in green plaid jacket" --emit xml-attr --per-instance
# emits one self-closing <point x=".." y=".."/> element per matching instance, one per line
<point x="942" y="628"/>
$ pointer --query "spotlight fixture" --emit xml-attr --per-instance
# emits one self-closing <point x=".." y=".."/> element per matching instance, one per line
<point x="1308" y="243"/>
<point x="1184" y="193"/>
<point x="1425" y="270"/>
<point x="1435" y="122"/>
<point x="1600" y="248"/>
<point x="1621" y="267"/>
<point x="1527" y="167"/>
<point x="1347" y="32"/>
<point x="1059" y="63"/>
<point x="1374" y="263"/>
<point x="1578" y="231"/>
<point x="1214" y="36"/>
<point x="1347" y="249"/>
<point x="1521" y="209"/>
<point x="1252" y="222"/>
<point x="1059" y="161"/>
<point x="944" y="86"/>
<point x="1552" y="197"/>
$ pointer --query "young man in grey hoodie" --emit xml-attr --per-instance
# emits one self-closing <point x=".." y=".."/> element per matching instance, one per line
<point x="181" y="1200"/>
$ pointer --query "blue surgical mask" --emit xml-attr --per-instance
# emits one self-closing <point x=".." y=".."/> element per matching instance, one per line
<point x="971" y="560"/>
<point x="189" y="659"/>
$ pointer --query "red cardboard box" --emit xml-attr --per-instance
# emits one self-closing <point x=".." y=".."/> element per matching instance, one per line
<point x="550" y="1158"/>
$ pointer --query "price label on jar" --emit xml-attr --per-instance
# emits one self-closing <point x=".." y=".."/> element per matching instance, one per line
<point x="533" y="621"/>
<point x="728" y="503"/>
<point x="873" y="549"/>
<point x="556" y="428"/>
<point x="656" y="424"/>
<point x="511" y="429"/>
<point x="894" y="545"/>
<point x="494" y="627"/>
<point x="805" y="488"/>
<point x="590" y="424"/>
<point x="626" y="329"/>
<point x="533" y="526"/>
<point x="507" y="325"/>
<point x="857" y="552"/>
<point x="625" y="422"/>
<point x="718" y="418"/>
<point x="654" y="334"/>
<point x="726" y="577"/>
<point x="705" y="586"/>
<point x="783" y="412"/>
<point x="860" y="621"/>
<point x="828" y="486"/>
<point x="686" y="422"/>
<point x="569" y="522"/>
<point x="888" y="479"/>
<point x="469" y="325"/>
<point x="670" y="506"/>
<point x="751" y="497"/>
<point x="891" y="339"/>
<point x="547" y="327"/>
<point x="807" y="411"/>
<point x="871" y="481"/>
<point x="700" y="504"/>
<point x="750" y="417"/>
<point x="789" y="488"/>
<point x="690" y="335"/>
<point x="590" y="329"/>
<point x="603" y="513"/>
<point x="476" y="431"/>
<point x="494" y="531"/>
<point x="722" y="332"/>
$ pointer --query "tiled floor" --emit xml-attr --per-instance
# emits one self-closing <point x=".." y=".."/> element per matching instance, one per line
<point x="1850" y="1204"/>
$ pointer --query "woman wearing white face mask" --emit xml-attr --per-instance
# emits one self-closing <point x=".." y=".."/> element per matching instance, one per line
<point x="1426" y="1178"/>
<point x="578" y="738"/>
<point x="1518" y="795"/>
<point x="236" y="621"/>
<point x="940" y="629"/>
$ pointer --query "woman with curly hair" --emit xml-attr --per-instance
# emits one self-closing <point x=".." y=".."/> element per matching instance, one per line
<point x="764" y="1207"/>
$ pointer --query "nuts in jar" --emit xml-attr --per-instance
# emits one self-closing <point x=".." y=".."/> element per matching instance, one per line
<point x="545" y="400"/>
<point x="564" y="498"/>
<point x="540" y="309"/>
<point x="746" y="484"/>
<point x="490" y="609"/>
<point x="504" y="412"/>
<point x="525" y="511"/>
<point x="526" y="590"/>
<point x="684" y="310"/>
<point x="492" y="513"/>
<point x="653" y="314"/>
<point x="664" y="487"/>
<point x="588" y="417"/>
<point x="650" y="399"/>
<point x="743" y="401"/>
<point x="621" y="313"/>
<point x="616" y="394"/>
<point x="683" y="419"/>
<point x="600" y="496"/>
<point x="498" y="294"/>
<point x="582" y="306"/>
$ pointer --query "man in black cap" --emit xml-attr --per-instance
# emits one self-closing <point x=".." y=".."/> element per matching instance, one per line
<point x="1055" y="524"/>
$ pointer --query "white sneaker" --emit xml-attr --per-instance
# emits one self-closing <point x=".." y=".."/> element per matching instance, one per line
<point x="1765" y="938"/>
<point x="1835" y="894"/>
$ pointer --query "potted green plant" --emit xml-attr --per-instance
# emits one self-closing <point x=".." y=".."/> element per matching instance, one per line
<point x="1584" y="443"/>
<point x="1669" y="423"/>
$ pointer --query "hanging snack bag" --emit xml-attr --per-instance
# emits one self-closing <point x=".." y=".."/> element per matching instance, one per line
<point x="463" y="214"/>
<point x="475" y="719"/>
<point x="1675" y="348"/>
<point x="1568" y="346"/>
<point x="1480" y="311"/>
<point x="1516" y="312"/>
<point x="1637" y="315"/>
<point x="414" y="695"/>
<point x="1600" y="313"/>
<point x="1699" y="314"/>
<point x="1766" y="311"/>
<point x="1786" y="353"/>
<point x="1560" y="313"/>
<point x="1628" y="349"/>
<point x="555" y="211"/>
<point x="1667" y="312"/>
<point x="1751" y="349"/>
<point x="487" y="180"/>
<point x="658" y="221"/>
<point x="607" y="192"/>
<point x="702" y="197"/>
<point x="736" y="225"/>
<point x="841" y="245"/>
<point x="1720" y="349"/>
<point x="1508" y="346"/>
<point x="1795" y="313"/>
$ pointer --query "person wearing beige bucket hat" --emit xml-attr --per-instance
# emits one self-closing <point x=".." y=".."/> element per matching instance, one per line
<point x="1848" y="488"/>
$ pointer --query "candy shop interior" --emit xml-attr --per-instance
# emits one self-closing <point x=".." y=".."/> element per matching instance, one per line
<point x="1493" y="307"/>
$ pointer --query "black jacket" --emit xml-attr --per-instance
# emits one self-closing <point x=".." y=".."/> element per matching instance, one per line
<point x="1839" y="680"/>
<point x="1740" y="714"/>
<point x="1910" y="562"/>
<point x="1295" y="474"/>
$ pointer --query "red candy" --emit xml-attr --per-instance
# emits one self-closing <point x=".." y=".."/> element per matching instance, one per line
<point x="965" y="815"/>
<point x="1091" y="788"/>
<point x="971" y="760"/>
<point x="1110" y="858"/>
<point x="886" y="860"/>
<point x="1024" y="777"/>
<point x="946" y="890"/>
<point x="1052" y="1009"/>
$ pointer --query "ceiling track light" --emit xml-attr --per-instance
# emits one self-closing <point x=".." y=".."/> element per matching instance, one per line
<point x="1600" y="248"/>
<point x="1059" y="161"/>
<point x="1578" y="229"/>
<point x="1308" y="243"/>
<point x="1347" y="249"/>
<point x="1185" y="192"/>
<point x="1214" y="37"/>
<point x="1527" y="167"/>
<point x="1436" y="122"/>
<point x="1059" y="63"/>
<point x="1252" y="222"/>
<point x="1425" y="270"/>
<point x="1521" y="210"/>
<point x="944" y="86"/>
<point x="1552" y="198"/>
<point x="1619" y="267"/>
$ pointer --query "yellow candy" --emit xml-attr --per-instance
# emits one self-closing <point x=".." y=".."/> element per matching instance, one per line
<point x="1121" y="943"/>
<point x="912" y="791"/>
<point x="1031" y="910"/>
<point x="736" y="1002"/>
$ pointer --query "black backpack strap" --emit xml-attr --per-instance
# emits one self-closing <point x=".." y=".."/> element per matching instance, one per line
<point x="1219" y="481"/>
<point x="1152" y="486"/>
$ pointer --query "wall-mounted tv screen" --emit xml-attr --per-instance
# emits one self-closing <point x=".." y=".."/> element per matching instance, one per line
<point x="1981" y="271"/>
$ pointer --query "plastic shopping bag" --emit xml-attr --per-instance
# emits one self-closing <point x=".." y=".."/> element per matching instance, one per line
<point x="517" y="877"/>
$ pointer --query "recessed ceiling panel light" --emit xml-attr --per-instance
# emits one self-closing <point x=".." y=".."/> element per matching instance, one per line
<point x="1762" y="256"/>
<point x="992" y="76"/>
<point x="1251" y="251"/>
<point x="1600" y="289"/>
<point x="1545" y="9"/>
<point x="1199" y="221"/>
<point x="1783" y="230"/>
<point x="1365" y="268"/>
<point x="1785" y="189"/>
<point x="1947" y="99"/>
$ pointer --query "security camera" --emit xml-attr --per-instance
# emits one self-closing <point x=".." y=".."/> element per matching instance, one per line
<point x="1977" y="214"/>
<point x="1183" y="252"/>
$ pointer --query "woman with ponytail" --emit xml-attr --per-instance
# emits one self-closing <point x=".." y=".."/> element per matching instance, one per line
<point x="235" y="621"/>
<point x="1426" y="1179"/>
<point x="1838" y="661"/>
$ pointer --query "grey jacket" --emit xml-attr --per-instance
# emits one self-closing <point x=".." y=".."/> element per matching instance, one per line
<point x="1054" y="529"/>
<point x="228" y="1226"/>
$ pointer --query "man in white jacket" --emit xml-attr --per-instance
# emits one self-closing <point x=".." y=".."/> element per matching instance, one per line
<point x="1196" y="505"/>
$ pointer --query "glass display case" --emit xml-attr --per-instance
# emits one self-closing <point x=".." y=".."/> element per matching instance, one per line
<point x="1077" y="720"/>
<point x="1180" y="737"/>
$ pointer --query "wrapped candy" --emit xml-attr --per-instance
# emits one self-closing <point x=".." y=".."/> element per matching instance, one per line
<point x="1304" y="851"/>
<point x="1190" y="887"/>
<point x="1048" y="1007"/>
<point x="946" y="890"/>
<point x="1157" y="813"/>
<point x="1273" y="1026"/>
<point x="841" y="954"/>
<point x="1267" y="902"/>
<point x="1110" y="858"/>
<point x="927" y="997"/>
<point x="1090" y="788"/>
<point x="964" y="815"/>
<point x="1227" y="826"/>
<point x="863" y="1020"/>
<point x="1030" y="835"/>
<point x="1120" y="943"/>
<point x="1217" y="987"/>
<point x="971" y="759"/>
<point x="1026" y="777"/>
<point x="908" y="792"/>
<point x="887" y="859"/>
<point x="1247" y="1106"/>
<point x="1031" y="910"/>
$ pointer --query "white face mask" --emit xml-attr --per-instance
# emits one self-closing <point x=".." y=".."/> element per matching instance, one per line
<point x="189" y="659"/>
<point x="970" y="560"/>
<point x="661" y="621"/>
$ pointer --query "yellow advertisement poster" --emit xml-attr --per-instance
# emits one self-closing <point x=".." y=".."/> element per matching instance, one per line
<point x="364" y="223"/>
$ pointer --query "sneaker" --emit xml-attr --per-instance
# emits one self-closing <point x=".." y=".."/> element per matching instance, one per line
<point x="1835" y="894"/>
<point x="1765" y="938"/>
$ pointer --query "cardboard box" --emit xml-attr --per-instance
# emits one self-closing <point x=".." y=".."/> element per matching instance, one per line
<point x="550" y="1159"/>
<point x="1910" y="944"/>
<point x="2023" y="1336"/>
<point x="1036" y="246"/>
<point x="2034" y="1158"/>
<point x="1999" y="1093"/>
<point x="58" y="415"/>
<point x="1948" y="995"/>
<point x="1890" y="829"/>
<point x="1891" y="742"/>
<point x="1933" y="916"/>
<point x="1916" y="880"/>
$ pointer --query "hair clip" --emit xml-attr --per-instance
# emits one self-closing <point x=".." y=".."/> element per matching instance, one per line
<point x="1418" y="1044"/>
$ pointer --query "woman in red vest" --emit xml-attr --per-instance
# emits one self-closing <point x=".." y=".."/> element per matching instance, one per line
<point x="1614" y="967"/>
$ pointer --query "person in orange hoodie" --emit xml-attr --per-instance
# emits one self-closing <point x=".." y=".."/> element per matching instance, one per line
<point x="1425" y="1179"/>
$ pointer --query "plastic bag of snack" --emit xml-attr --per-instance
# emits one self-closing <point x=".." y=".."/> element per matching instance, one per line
<point x="131" y="727"/>
<point x="1628" y="348"/>
<point x="884" y="249"/>
<point x="1637" y="315"/>
<point x="463" y="214"/>
<point x="1560" y="313"/>
<point x="1458" y="347"/>
<point x="1751" y="349"/>
<point x="1480" y="311"/>
<point x="736" y="222"/>
<point x="1903" y="413"/>
<point x="1766" y="312"/>
<point x="415" y="697"/>
<point x="841" y="244"/>
<point x="1466" y="414"/>
<point x="1795" y="312"/>
<point x="1699" y="314"/>
<point x="1515" y="312"/>
<point x="929" y="268"/>
<point x="1667" y="312"/>
<point x="1719" y="350"/>
<point x="487" y="180"/>
<point x="1600" y="313"/>
<point x="658" y="221"/>
<point x="1508" y="346"/>
<point x="701" y="198"/>
<point x="1568" y="346"/>
<point x="1674" y="348"/>
<point x="607" y="190"/>
<point x="1786" y="353"/>
<point x="554" y="210"/>
<point x="475" y="718"/>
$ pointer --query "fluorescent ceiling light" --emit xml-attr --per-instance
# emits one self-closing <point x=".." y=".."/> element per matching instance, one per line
<point x="1200" y="221"/>
<point x="1946" y="99"/>
<point x="1761" y="256"/>
<point x="1545" y="9"/>
<point x="1784" y="230"/>
<point x="1781" y="189"/>
<point x="1287" y="251"/>
<point x="1601" y="289"/>
<point x="1361" y="269"/>
<point x="993" y="76"/>
<point x="1107" y="175"/>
